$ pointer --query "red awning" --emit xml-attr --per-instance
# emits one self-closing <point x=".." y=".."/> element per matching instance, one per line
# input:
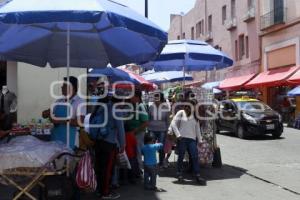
<point x="295" y="79"/>
<point x="275" y="77"/>
<point x="235" y="83"/>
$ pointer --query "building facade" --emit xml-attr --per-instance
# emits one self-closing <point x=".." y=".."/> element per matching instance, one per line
<point x="280" y="41"/>
<point x="229" y="25"/>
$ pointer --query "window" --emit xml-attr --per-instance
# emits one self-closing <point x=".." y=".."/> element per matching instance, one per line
<point x="178" y="37"/>
<point x="233" y="11"/>
<point x="202" y="27"/>
<point x="198" y="29"/>
<point x="192" y="33"/>
<point x="209" y="23"/>
<point x="236" y="50"/>
<point x="183" y="36"/>
<point x="241" y="46"/>
<point x="247" y="46"/>
<point x="250" y="3"/>
<point x="224" y="14"/>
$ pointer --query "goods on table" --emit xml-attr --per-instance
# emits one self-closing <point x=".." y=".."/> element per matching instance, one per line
<point x="28" y="151"/>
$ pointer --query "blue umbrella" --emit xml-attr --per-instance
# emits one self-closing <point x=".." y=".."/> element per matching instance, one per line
<point x="294" y="92"/>
<point x="190" y="55"/>
<point x="98" y="31"/>
<point x="77" y="33"/>
<point x="113" y="74"/>
<point x="165" y="77"/>
<point x="121" y="75"/>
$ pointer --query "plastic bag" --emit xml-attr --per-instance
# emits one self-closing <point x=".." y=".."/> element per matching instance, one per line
<point x="123" y="160"/>
<point x="85" y="176"/>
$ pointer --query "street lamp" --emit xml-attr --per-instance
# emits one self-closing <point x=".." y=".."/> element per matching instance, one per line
<point x="146" y="8"/>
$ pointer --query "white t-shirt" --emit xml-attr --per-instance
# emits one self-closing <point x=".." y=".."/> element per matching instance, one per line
<point x="186" y="127"/>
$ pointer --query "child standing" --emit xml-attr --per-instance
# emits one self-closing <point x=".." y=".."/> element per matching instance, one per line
<point x="150" y="162"/>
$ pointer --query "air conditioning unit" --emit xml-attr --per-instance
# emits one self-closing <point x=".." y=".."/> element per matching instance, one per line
<point x="209" y="36"/>
<point x="230" y="24"/>
<point x="249" y="15"/>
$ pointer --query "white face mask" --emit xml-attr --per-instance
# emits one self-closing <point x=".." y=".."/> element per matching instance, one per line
<point x="4" y="89"/>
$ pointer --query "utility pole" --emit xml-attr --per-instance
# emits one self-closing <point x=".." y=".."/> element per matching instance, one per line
<point x="146" y="8"/>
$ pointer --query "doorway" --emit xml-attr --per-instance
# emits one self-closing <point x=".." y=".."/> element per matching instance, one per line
<point x="3" y="73"/>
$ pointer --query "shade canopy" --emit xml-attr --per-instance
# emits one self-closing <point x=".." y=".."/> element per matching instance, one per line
<point x="211" y="85"/>
<point x="235" y="83"/>
<point x="165" y="77"/>
<point x="115" y="75"/>
<point x="294" y="92"/>
<point x="101" y="32"/>
<point x="189" y="55"/>
<point x="273" y="77"/>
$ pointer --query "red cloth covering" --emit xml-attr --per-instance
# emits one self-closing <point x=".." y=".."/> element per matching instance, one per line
<point x="131" y="145"/>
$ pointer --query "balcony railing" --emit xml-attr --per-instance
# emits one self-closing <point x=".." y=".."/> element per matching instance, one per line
<point x="250" y="15"/>
<point x="209" y="36"/>
<point x="276" y="16"/>
<point x="230" y="24"/>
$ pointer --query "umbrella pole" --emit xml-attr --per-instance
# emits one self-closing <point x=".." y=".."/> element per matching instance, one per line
<point x="68" y="91"/>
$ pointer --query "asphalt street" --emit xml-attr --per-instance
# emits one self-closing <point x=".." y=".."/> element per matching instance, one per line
<point x="259" y="168"/>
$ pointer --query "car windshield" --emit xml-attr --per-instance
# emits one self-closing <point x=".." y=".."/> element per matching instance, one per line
<point x="252" y="105"/>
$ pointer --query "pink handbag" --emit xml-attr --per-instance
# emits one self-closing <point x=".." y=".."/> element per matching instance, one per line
<point x="85" y="176"/>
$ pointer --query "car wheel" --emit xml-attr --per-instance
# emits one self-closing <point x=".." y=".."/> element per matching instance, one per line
<point x="240" y="132"/>
<point x="276" y="134"/>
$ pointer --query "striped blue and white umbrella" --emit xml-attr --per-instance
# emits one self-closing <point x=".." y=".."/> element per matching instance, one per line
<point x="189" y="55"/>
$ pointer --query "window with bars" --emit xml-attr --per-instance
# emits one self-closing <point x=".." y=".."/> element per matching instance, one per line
<point x="241" y="46"/>
<point x="224" y="14"/>
<point x="247" y="46"/>
<point x="192" y="33"/>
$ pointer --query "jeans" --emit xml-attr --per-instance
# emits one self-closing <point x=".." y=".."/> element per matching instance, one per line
<point x="150" y="173"/>
<point x="190" y="145"/>
<point x="160" y="136"/>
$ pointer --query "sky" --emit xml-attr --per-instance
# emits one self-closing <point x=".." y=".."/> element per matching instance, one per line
<point x="159" y="10"/>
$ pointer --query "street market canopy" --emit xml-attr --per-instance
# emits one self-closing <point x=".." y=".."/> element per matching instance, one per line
<point x="235" y="83"/>
<point x="165" y="77"/>
<point x="189" y="55"/>
<point x="295" y="78"/>
<point x="99" y="31"/>
<point x="294" y="92"/>
<point x="275" y="77"/>
<point x="211" y="85"/>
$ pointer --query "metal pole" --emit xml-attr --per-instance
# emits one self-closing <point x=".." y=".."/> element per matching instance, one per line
<point x="68" y="80"/>
<point x="68" y="91"/>
<point x="146" y="8"/>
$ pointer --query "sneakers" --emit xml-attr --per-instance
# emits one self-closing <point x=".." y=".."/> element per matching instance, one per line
<point x="180" y="178"/>
<point x="200" y="180"/>
<point x="112" y="195"/>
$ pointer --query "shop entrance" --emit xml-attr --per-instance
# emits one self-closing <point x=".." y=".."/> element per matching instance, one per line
<point x="3" y="72"/>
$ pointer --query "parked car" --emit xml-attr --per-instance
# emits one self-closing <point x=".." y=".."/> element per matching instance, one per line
<point x="248" y="117"/>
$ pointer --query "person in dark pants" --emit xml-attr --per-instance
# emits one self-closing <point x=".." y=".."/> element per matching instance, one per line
<point x="150" y="162"/>
<point x="187" y="130"/>
<point x="106" y="149"/>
